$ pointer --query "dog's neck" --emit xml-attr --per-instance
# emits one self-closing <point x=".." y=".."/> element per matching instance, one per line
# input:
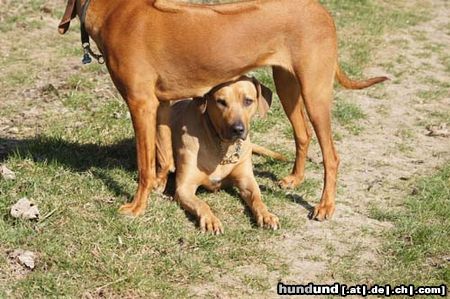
<point x="230" y="152"/>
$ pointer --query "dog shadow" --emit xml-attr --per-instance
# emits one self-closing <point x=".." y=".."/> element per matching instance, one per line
<point x="81" y="157"/>
<point x="299" y="199"/>
<point x="77" y="157"/>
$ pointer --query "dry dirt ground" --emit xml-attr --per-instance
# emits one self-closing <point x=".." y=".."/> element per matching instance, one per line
<point x="376" y="165"/>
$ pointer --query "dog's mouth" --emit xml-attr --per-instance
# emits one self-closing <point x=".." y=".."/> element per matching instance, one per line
<point x="231" y="138"/>
<point x="237" y="131"/>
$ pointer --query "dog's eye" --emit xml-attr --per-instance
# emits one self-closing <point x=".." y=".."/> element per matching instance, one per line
<point x="222" y="102"/>
<point x="248" y="102"/>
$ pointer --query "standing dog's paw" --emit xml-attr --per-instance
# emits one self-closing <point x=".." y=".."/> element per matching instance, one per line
<point x="289" y="182"/>
<point x="211" y="224"/>
<point x="323" y="211"/>
<point x="130" y="209"/>
<point x="268" y="220"/>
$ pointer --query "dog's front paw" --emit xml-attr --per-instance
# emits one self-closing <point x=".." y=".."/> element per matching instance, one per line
<point x="130" y="209"/>
<point x="291" y="181"/>
<point x="323" y="211"/>
<point x="268" y="220"/>
<point x="211" y="224"/>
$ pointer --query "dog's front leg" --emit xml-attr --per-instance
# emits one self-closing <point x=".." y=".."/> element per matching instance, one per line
<point x="208" y="222"/>
<point x="244" y="179"/>
<point x="143" y="109"/>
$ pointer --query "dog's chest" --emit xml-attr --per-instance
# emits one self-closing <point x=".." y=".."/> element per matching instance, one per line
<point x="215" y="180"/>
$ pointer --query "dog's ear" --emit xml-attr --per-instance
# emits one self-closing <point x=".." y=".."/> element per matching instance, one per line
<point x="264" y="97"/>
<point x="69" y="14"/>
<point x="202" y="103"/>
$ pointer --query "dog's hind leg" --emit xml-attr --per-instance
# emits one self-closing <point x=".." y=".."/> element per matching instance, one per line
<point x="316" y="75"/>
<point x="288" y="89"/>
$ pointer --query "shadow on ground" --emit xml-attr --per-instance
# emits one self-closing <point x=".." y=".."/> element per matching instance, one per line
<point x="75" y="156"/>
<point x="80" y="157"/>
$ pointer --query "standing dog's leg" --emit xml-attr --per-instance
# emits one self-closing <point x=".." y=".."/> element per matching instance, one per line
<point x="288" y="89"/>
<point x="317" y="77"/>
<point x="143" y="106"/>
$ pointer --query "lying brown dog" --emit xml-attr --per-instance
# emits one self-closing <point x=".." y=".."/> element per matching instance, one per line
<point x="212" y="148"/>
<point x="161" y="51"/>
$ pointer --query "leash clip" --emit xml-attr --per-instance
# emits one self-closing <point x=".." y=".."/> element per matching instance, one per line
<point x="88" y="53"/>
<point x="86" y="58"/>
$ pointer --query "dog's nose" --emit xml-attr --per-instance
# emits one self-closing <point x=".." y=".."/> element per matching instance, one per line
<point x="238" y="129"/>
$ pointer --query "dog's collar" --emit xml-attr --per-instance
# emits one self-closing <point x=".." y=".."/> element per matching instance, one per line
<point x="230" y="153"/>
<point x="85" y="38"/>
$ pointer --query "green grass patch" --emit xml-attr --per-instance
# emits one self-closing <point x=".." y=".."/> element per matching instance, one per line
<point x="415" y="251"/>
<point x="418" y="245"/>
<point x="348" y="114"/>
<point x="85" y="245"/>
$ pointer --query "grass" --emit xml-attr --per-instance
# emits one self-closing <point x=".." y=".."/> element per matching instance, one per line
<point x="415" y="251"/>
<point x="417" y="248"/>
<point x="86" y="238"/>
<point x="77" y="163"/>
<point x="367" y="20"/>
<point x="348" y="114"/>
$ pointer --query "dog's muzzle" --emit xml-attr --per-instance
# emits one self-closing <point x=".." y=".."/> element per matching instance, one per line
<point x="237" y="131"/>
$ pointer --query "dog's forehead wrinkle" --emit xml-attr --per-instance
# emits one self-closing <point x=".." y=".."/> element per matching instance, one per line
<point x="237" y="91"/>
<point x="224" y="93"/>
<point x="248" y="90"/>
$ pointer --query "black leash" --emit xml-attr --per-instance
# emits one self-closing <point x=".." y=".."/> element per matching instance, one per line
<point x="85" y="38"/>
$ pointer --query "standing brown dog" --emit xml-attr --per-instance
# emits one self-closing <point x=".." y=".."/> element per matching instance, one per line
<point x="160" y="51"/>
<point x="211" y="148"/>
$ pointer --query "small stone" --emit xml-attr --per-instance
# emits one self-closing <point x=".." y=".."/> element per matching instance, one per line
<point x="13" y="130"/>
<point x="6" y="173"/>
<point x="24" y="257"/>
<point x="25" y="209"/>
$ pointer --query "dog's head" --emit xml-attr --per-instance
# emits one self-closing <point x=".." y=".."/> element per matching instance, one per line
<point x="231" y="105"/>
<point x="69" y="14"/>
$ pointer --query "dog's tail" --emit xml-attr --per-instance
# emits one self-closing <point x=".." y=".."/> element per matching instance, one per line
<point x="350" y="84"/>
<point x="262" y="151"/>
